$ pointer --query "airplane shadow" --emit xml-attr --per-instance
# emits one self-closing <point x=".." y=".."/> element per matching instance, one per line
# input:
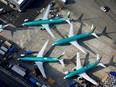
<point x="51" y="72"/>
<point x="105" y="33"/>
<point x="57" y="31"/>
<point x="80" y="29"/>
<point x="85" y="46"/>
<point x="49" y="51"/>
<point x="111" y="63"/>
<point x="13" y="29"/>
<point x="36" y="3"/>
<point x="70" y="2"/>
<point x="73" y="60"/>
<point x="80" y="19"/>
<point x="86" y="61"/>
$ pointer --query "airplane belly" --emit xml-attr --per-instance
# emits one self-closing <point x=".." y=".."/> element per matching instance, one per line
<point x="31" y="59"/>
<point x="50" y="59"/>
<point x="40" y="59"/>
<point x="73" y="38"/>
<point x="76" y="72"/>
<point x="39" y="22"/>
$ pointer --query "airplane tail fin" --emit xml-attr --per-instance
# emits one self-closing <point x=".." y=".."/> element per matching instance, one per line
<point x="61" y="60"/>
<point x="100" y="63"/>
<point x="67" y="18"/>
<point x="92" y="30"/>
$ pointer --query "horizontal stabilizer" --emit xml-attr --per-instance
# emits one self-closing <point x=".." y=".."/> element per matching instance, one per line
<point x="101" y="64"/>
<point x="61" y="62"/>
<point x="67" y="18"/>
<point x="95" y="35"/>
<point x="92" y="30"/>
<point x="98" y="57"/>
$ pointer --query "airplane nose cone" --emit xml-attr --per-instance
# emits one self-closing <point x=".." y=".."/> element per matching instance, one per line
<point x="23" y="24"/>
<point x="65" y="77"/>
<point x="55" y="44"/>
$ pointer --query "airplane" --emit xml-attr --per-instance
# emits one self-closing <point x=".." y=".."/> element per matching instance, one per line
<point x="2" y="27"/>
<point x="81" y="71"/>
<point x="40" y="59"/>
<point x="45" y="21"/>
<point x="72" y="39"/>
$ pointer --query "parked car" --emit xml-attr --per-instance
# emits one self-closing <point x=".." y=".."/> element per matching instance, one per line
<point x="105" y="8"/>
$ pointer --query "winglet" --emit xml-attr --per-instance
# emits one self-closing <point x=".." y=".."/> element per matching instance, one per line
<point x="62" y="60"/>
<point x="67" y="18"/>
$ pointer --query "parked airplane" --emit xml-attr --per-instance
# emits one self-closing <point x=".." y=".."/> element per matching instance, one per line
<point x="45" y="21"/>
<point x="81" y="71"/>
<point x="2" y="27"/>
<point x="40" y="59"/>
<point x="73" y="38"/>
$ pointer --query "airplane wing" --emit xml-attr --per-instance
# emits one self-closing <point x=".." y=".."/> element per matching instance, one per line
<point x="78" y="62"/>
<point x="46" y="26"/>
<point x="47" y="12"/>
<point x="2" y="27"/>
<point x="85" y="76"/>
<point x="41" y="53"/>
<point x="75" y="43"/>
<point x="71" y="32"/>
<point x="40" y="64"/>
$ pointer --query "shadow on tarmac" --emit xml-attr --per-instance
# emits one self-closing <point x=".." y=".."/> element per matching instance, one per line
<point x="70" y="1"/>
<point x="57" y="31"/>
<point x="111" y="62"/>
<point x="49" y="51"/>
<point x="36" y="3"/>
<point x="105" y="33"/>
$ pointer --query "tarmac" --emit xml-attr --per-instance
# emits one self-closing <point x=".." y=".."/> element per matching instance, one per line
<point x="33" y="38"/>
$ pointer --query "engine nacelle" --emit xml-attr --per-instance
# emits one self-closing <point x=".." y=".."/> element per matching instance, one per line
<point x="42" y="28"/>
<point x="80" y="78"/>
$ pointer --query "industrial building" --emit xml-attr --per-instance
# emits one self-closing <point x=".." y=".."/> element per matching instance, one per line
<point x="17" y="4"/>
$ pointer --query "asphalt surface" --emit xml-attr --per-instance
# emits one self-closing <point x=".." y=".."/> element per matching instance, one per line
<point x="90" y="11"/>
<point x="92" y="14"/>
